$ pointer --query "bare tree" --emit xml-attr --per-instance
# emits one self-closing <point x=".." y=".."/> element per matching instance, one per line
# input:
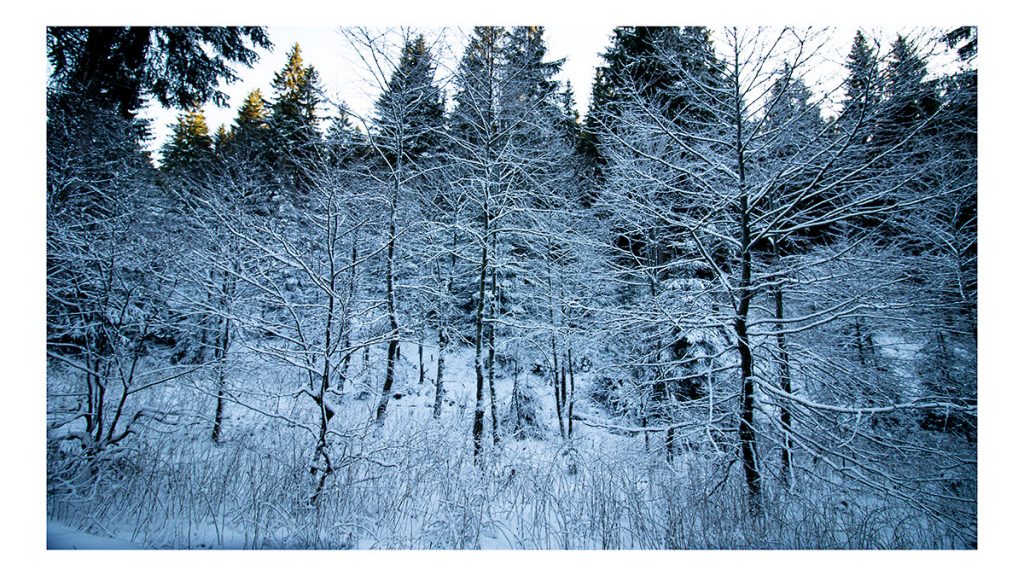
<point x="108" y="314"/>
<point x="773" y="197"/>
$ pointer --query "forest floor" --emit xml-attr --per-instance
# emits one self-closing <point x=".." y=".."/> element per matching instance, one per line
<point x="412" y="483"/>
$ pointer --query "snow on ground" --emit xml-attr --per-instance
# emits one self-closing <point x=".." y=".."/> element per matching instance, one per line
<point x="60" y="536"/>
<point x="411" y="483"/>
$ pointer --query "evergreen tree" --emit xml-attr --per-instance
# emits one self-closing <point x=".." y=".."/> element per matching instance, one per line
<point x="530" y="77"/>
<point x="964" y="39"/>
<point x="294" y="120"/>
<point x="190" y="146"/>
<point x="958" y="127"/>
<point x="221" y="141"/>
<point x="410" y="112"/>
<point x="795" y="122"/>
<point x="245" y="154"/>
<point x="179" y="66"/>
<point x="570" y="116"/>
<point x="909" y="99"/>
<point x="901" y="131"/>
<point x="251" y="121"/>
<point x="345" y="143"/>
<point x="649" y="62"/>
<point x="250" y="139"/>
<point x="863" y="87"/>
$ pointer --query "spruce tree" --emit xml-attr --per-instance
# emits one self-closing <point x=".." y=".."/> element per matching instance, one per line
<point x="252" y="116"/>
<point x="190" y="146"/>
<point x="796" y="120"/>
<point x="570" y="116"/>
<point x="910" y="99"/>
<point x="345" y="143"/>
<point x="250" y="138"/>
<point x="863" y="87"/>
<point x="410" y="112"/>
<point x="639" y="63"/>
<point x="294" y="120"/>
<point x="178" y="66"/>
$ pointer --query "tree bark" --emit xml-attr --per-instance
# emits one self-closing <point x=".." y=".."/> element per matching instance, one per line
<point x="785" y="383"/>
<point x="389" y="376"/>
<point x="347" y="317"/>
<point x="442" y="344"/>
<point x="748" y="438"/>
<point x="557" y="388"/>
<point x="222" y="351"/>
<point x="478" y="410"/>
<point x="572" y="393"/>
<point x="517" y="409"/>
<point x="419" y="350"/>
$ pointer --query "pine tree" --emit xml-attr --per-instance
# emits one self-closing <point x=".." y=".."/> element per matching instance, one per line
<point x="958" y="127"/>
<point x="410" y="112"/>
<point x="296" y="90"/>
<point x="909" y="99"/>
<point x="221" y="141"/>
<point x="570" y="116"/>
<point x="798" y="124"/>
<point x="648" y="62"/>
<point x="178" y="66"/>
<point x="294" y="120"/>
<point x="190" y="146"/>
<point x="863" y="87"/>
<point x="251" y="120"/>
<point x="250" y="136"/>
<point x="345" y="143"/>
<point x="530" y="77"/>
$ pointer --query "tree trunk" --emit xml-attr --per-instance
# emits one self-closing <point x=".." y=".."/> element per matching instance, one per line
<point x="389" y="379"/>
<point x="572" y="393"/>
<point x="346" y="318"/>
<point x="785" y="383"/>
<point x="222" y="343"/>
<point x="478" y="410"/>
<point x="495" y="437"/>
<point x="660" y="392"/>
<point x="442" y="343"/>
<point x="221" y="352"/>
<point x="442" y="335"/>
<point x="558" y="394"/>
<point x="321" y="467"/>
<point x="420" y="352"/>
<point x="101" y="393"/>
<point x="517" y="410"/>
<point x="389" y="376"/>
<point x="748" y="439"/>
